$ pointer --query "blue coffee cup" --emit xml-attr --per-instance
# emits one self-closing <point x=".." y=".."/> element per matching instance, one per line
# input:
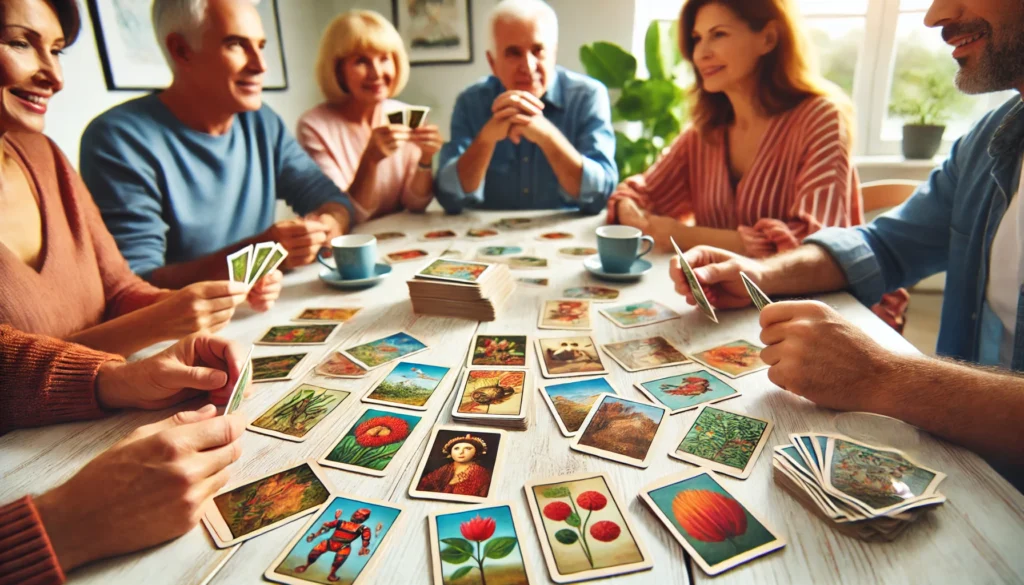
<point x="618" y="246"/>
<point x="355" y="256"/>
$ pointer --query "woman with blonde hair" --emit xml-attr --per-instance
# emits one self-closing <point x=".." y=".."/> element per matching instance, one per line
<point x="766" y="160"/>
<point x="384" y="167"/>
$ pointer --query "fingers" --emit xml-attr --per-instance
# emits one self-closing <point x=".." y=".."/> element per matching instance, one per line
<point x="520" y="100"/>
<point x="309" y="240"/>
<point x="217" y="289"/>
<point x="213" y="484"/>
<point x="185" y="417"/>
<point x="211" y="462"/>
<point x="782" y="311"/>
<point x="207" y="434"/>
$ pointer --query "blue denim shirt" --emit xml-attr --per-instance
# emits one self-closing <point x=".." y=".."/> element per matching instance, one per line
<point x="947" y="225"/>
<point x="520" y="177"/>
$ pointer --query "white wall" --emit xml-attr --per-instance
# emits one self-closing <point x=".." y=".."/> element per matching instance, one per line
<point x="85" y="92"/>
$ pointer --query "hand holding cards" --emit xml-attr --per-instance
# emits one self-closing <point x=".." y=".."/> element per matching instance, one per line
<point x="252" y="263"/>
<point x="691" y="279"/>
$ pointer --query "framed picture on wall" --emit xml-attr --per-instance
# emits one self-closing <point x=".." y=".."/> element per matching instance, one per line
<point x="132" y="58"/>
<point x="435" y="31"/>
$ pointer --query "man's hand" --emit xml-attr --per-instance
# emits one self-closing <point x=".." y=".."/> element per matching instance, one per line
<point x="265" y="291"/>
<point x="629" y="213"/>
<point x="147" y="489"/>
<point x="302" y="238"/>
<point x="718" y="272"/>
<point x="507" y="107"/>
<point x="815" y="353"/>
<point x="198" y="363"/>
<point x="535" y="128"/>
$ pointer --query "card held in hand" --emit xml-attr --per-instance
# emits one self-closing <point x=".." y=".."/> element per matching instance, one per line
<point x="691" y="279"/>
<point x="760" y="299"/>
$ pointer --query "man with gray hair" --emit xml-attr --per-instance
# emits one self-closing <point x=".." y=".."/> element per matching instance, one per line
<point x="185" y="176"/>
<point x="532" y="135"/>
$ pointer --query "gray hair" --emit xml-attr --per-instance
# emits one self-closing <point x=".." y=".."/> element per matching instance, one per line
<point x="537" y="11"/>
<point x="184" y="17"/>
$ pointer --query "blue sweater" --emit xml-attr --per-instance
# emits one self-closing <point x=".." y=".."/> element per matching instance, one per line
<point x="170" y="194"/>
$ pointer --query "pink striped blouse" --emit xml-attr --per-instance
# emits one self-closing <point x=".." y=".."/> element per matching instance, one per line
<point x="802" y="175"/>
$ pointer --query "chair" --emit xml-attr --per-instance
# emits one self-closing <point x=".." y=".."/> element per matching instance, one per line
<point x="882" y="195"/>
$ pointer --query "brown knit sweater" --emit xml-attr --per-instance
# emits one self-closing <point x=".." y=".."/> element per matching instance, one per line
<point x="82" y="281"/>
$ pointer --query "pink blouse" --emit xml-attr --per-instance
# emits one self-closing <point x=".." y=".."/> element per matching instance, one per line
<point x="337" y="145"/>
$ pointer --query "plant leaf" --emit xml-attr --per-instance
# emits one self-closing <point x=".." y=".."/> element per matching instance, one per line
<point x="454" y="556"/>
<point x="573" y="520"/>
<point x="608" y="63"/>
<point x="661" y="49"/>
<point x="667" y="127"/>
<point x="566" y="536"/>
<point x="501" y="547"/>
<point x="460" y="573"/>
<point x="563" y="492"/>
<point x="460" y="543"/>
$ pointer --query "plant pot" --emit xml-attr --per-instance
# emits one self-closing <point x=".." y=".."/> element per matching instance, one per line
<point x="921" y="141"/>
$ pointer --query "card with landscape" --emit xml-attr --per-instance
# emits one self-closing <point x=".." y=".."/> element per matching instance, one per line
<point x="408" y="385"/>
<point x="621" y="429"/>
<point x="570" y="402"/>
<point x="636" y="355"/>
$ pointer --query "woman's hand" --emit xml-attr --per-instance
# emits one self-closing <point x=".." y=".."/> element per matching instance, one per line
<point x="198" y="363"/>
<point x="386" y="140"/>
<point x="429" y="139"/>
<point x="146" y="489"/>
<point x="203" y="306"/>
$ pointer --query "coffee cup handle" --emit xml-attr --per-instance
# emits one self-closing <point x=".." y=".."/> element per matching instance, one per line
<point x="650" y="246"/>
<point x="320" y="258"/>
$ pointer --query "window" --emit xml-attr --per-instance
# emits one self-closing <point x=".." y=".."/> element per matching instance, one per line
<point x="878" y="52"/>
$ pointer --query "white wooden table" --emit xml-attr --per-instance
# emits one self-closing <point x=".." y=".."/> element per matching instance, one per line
<point x="974" y="538"/>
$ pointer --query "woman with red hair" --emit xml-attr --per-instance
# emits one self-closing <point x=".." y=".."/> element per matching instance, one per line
<point x="766" y="160"/>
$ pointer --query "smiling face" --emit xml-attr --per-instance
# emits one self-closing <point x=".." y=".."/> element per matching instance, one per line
<point x="523" y="57"/>
<point x="463" y="452"/>
<point x="726" y="50"/>
<point x="31" y="41"/>
<point x="228" y="66"/>
<point x="987" y="37"/>
<point x="369" y="76"/>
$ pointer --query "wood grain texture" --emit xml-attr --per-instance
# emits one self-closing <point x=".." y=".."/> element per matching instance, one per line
<point x="975" y="537"/>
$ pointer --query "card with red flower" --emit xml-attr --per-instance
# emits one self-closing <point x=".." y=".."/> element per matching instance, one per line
<point x="583" y="528"/>
<point x="372" y="442"/>
<point x="478" y="544"/>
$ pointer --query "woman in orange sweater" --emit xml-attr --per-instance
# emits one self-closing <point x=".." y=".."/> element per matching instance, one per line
<point x="61" y="273"/>
<point x="766" y="161"/>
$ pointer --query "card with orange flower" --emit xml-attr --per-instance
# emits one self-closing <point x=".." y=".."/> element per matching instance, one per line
<point x="716" y="530"/>
<point x="478" y="544"/>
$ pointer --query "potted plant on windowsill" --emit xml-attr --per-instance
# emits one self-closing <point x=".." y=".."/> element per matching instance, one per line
<point x="925" y="100"/>
<point x="655" y="105"/>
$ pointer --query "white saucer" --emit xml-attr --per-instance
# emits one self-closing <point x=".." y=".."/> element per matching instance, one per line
<point x="638" y="269"/>
<point x="332" y="278"/>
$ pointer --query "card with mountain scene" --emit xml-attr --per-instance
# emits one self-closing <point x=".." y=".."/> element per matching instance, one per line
<point x="571" y="401"/>
<point x="724" y="441"/>
<point x="621" y="429"/>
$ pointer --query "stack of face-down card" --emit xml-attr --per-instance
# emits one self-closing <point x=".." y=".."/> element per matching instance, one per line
<point x="873" y="493"/>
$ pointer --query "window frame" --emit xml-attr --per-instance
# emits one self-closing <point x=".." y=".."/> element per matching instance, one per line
<point x="873" y="75"/>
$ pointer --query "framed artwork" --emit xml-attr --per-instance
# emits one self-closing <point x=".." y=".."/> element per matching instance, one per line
<point x="131" y="56"/>
<point x="435" y="31"/>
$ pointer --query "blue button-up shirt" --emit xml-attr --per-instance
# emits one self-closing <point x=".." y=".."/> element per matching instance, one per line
<point x="947" y="225"/>
<point x="520" y="177"/>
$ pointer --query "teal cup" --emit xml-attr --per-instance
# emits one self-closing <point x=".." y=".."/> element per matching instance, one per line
<point x="355" y="256"/>
<point x="618" y="247"/>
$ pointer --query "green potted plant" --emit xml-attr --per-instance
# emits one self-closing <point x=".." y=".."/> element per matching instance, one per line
<point x="657" y="103"/>
<point x="925" y="99"/>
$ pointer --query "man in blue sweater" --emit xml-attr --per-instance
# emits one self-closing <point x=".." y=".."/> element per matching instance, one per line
<point x="188" y="175"/>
